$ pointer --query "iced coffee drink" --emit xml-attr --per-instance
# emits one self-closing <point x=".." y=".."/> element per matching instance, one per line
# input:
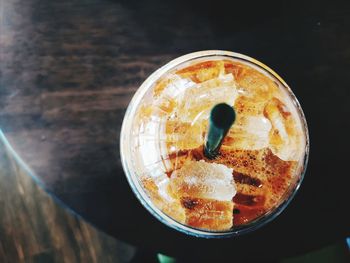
<point x="261" y="159"/>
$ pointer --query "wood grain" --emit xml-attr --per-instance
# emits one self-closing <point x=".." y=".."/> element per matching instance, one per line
<point x="69" y="68"/>
<point x="35" y="227"/>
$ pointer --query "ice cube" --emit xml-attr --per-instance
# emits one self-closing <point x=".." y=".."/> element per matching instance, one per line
<point x="185" y="135"/>
<point x="200" y="179"/>
<point x="149" y="151"/>
<point x="284" y="137"/>
<point x="249" y="133"/>
<point x="168" y="92"/>
<point x="148" y="138"/>
<point x="160" y="198"/>
<point x="256" y="85"/>
<point x="203" y="71"/>
<point x="177" y="86"/>
<point x="197" y="101"/>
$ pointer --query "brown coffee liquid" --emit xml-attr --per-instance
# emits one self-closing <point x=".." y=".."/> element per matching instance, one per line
<point x="264" y="147"/>
<point x="264" y="179"/>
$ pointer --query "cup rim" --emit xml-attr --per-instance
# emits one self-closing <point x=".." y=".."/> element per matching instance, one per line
<point x="134" y="182"/>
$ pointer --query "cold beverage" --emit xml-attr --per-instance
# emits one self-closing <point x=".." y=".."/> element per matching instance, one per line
<point x="261" y="160"/>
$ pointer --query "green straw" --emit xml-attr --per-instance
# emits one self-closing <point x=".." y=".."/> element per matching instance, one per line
<point x="221" y="119"/>
<point x="165" y="259"/>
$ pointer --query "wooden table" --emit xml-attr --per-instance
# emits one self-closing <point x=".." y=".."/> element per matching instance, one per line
<point x="36" y="227"/>
<point x="69" y="69"/>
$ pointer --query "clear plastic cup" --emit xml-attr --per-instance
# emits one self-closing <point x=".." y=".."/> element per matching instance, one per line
<point x="166" y="119"/>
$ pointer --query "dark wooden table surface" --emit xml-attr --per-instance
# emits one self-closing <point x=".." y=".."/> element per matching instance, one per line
<point x="37" y="228"/>
<point x="69" y="68"/>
